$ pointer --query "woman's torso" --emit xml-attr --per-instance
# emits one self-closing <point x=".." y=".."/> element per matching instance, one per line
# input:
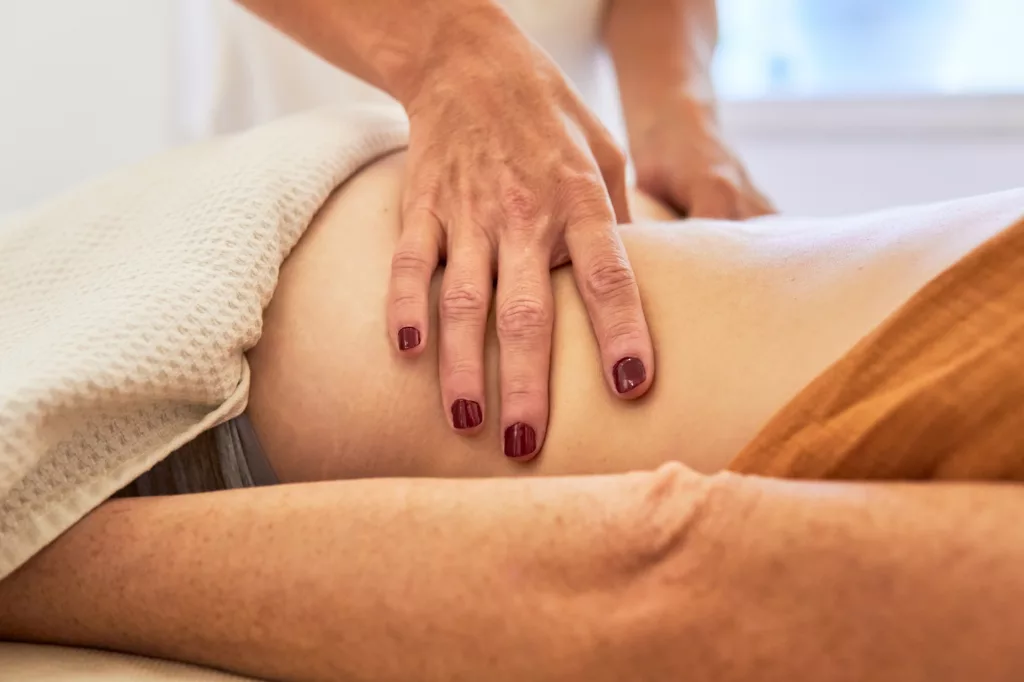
<point x="743" y="315"/>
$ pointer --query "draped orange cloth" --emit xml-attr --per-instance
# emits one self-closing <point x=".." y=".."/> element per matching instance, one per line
<point x="934" y="393"/>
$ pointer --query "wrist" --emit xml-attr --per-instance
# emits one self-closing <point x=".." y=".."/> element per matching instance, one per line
<point x="459" y="36"/>
<point x="650" y="119"/>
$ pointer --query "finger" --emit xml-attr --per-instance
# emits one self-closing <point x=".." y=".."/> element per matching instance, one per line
<point x="412" y="266"/>
<point x="464" y="305"/>
<point x="715" y="197"/>
<point x="758" y="204"/>
<point x="614" y="174"/>
<point x="612" y="163"/>
<point x="524" y="317"/>
<point x="606" y="282"/>
<point x="755" y="203"/>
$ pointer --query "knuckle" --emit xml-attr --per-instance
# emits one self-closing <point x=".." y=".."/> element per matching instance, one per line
<point x="721" y="185"/>
<point x="407" y="262"/>
<point x="520" y="204"/>
<point x="517" y="390"/>
<point x="459" y="369"/>
<point x="462" y="301"/>
<point x="623" y="331"/>
<point x="406" y="298"/>
<point x="583" y="198"/>
<point x="522" y="317"/>
<point x="610" y="278"/>
<point x="719" y="191"/>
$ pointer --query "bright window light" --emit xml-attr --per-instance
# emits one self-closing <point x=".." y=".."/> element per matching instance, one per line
<point x="840" y="48"/>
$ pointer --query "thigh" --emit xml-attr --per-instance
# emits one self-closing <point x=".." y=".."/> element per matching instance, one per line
<point x="742" y="315"/>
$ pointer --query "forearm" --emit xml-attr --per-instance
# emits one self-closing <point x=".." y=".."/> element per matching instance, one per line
<point x="854" y="582"/>
<point x="391" y="44"/>
<point x="662" y="50"/>
<point x="647" y="576"/>
<point x="383" y="580"/>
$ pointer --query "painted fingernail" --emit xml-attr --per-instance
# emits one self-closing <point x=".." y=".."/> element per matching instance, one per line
<point x="466" y="414"/>
<point x="629" y="373"/>
<point x="408" y="337"/>
<point x="520" y="440"/>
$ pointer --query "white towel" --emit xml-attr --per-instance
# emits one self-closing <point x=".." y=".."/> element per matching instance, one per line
<point x="126" y="307"/>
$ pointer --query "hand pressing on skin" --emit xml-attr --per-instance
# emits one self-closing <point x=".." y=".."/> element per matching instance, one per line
<point x="508" y="176"/>
<point x="681" y="158"/>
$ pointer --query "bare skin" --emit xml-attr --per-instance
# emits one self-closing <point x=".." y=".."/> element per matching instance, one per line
<point x="653" y="576"/>
<point x="743" y="315"/>
<point x="662" y="50"/>
<point x="494" y="198"/>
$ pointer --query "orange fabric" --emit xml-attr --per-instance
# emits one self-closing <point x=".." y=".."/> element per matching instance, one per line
<point x="936" y="392"/>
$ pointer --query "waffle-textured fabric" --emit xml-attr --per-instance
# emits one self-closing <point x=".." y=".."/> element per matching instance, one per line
<point x="126" y="307"/>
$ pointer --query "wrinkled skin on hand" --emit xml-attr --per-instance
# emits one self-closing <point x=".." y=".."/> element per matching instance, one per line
<point x="682" y="159"/>
<point x="509" y="175"/>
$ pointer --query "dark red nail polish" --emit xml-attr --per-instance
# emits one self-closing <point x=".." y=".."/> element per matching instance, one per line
<point x="520" y="440"/>
<point x="466" y="414"/>
<point x="408" y="337"/>
<point x="628" y="373"/>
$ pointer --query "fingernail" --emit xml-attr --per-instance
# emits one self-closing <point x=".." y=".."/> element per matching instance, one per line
<point x="466" y="414"/>
<point x="408" y="337"/>
<point x="629" y="373"/>
<point x="520" y="440"/>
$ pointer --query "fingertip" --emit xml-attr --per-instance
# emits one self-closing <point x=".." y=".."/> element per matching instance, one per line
<point x="412" y="266"/>
<point x="409" y="340"/>
<point x="467" y="416"/>
<point x="520" y="442"/>
<point x="630" y="377"/>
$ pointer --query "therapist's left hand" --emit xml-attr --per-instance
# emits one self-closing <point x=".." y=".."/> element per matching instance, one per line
<point x="682" y="159"/>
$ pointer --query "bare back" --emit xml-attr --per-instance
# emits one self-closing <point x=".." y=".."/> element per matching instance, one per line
<point x="743" y="315"/>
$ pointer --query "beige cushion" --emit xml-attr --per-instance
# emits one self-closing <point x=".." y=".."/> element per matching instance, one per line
<point x="34" y="663"/>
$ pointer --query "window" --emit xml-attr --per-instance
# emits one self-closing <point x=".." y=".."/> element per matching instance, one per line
<point x="847" y="48"/>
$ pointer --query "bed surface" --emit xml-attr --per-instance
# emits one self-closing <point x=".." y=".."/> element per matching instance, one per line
<point x="33" y="663"/>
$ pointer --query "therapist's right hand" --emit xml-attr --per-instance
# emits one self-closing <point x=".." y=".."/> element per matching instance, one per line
<point x="508" y="176"/>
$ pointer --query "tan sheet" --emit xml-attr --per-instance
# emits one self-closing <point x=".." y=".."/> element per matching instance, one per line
<point x="35" y="663"/>
<point x="936" y="392"/>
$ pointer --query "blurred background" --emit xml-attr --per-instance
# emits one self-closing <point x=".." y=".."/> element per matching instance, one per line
<point x="836" y="105"/>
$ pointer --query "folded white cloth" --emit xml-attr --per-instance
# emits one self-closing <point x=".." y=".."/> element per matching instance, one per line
<point x="126" y="307"/>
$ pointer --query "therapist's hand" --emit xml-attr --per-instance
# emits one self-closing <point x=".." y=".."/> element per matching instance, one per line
<point x="682" y="159"/>
<point x="510" y="175"/>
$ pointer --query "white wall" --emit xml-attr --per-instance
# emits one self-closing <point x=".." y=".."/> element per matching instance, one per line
<point x="85" y="86"/>
<point x="827" y="157"/>
<point x="88" y="85"/>
<point x="825" y="177"/>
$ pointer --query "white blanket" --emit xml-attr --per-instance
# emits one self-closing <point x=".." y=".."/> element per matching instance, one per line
<point x="126" y="307"/>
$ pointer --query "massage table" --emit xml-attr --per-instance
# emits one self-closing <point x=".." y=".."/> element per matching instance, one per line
<point x="34" y="663"/>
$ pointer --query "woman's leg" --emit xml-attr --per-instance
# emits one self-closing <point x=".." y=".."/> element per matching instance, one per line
<point x="743" y="316"/>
